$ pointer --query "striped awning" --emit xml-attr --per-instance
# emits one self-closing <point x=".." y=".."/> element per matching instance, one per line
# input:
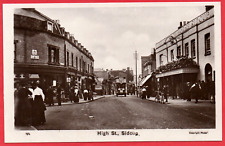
<point x="145" y="79"/>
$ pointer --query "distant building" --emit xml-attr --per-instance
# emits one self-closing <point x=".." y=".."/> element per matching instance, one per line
<point x="148" y="64"/>
<point x="103" y="84"/>
<point x="44" y="51"/>
<point x="188" y="54"/>
<point x="105" y="79"/>
<point x="125" y="73"/>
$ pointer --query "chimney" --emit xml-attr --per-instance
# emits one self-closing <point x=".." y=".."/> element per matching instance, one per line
<point x="57" y="21"/>
<point x="180" y="25"/>
<point x="209" y="7"/>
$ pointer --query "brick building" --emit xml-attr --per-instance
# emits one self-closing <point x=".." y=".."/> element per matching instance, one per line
<point x="44" y="51"/>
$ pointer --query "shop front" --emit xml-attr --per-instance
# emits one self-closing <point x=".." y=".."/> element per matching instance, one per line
<point x="176" y="80"/>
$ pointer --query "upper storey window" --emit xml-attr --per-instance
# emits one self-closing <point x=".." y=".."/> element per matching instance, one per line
<point x="53" y="55"/>
<point x="178" y="51"/>
<point x="207" y="44"/>
<point x="50" y="26"/>
<point x="193" y="54"/>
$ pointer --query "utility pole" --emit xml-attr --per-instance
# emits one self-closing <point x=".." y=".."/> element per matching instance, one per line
<point x="135" y="54"/>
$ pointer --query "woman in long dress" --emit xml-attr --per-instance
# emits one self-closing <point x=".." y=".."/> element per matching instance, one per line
<point x="38" y="106"/>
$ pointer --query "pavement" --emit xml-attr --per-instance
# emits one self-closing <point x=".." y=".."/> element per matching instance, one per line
<point x="183" y="102"/>
<point x="85" y="101"/>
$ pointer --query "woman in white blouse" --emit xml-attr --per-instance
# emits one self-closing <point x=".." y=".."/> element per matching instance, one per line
<point x="38" y="106"/>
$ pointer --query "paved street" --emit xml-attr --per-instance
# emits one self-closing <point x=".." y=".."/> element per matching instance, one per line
<point x="128" y="113"/>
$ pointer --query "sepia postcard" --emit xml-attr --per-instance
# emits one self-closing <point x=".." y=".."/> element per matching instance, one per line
<point x="112" y="72"/>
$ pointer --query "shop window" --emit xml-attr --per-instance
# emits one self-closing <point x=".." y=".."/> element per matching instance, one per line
<point x="193" y="54"/>
<point x="207" y="44"/>
<point x="186" y="50"/>
<point x="53" y="55"/>
<point x="172" y="55"/>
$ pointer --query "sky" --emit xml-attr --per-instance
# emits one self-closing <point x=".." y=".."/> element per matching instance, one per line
<point x="112" y="34"/>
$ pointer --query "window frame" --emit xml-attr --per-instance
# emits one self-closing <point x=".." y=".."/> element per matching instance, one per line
<point x="193" y="49"/>
<point x="178" y="51"/>
<point x="67" y="58"/>
<point x="207" y="44"/>
<point x="160" y="59"/>
<point x="51" y="26"/>
<point x="186" y="49"/>
<point x="172" y="55"/>
<point x="53" y="58"/>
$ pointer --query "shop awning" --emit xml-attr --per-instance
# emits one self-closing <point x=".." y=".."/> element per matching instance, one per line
<point x="145" y="79"/>
<point x="178" y="71"/>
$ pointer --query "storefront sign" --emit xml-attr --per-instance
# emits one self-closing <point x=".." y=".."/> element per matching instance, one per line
<point x="34" y="55"/>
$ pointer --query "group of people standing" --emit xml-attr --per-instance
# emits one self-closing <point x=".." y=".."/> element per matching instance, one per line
<point x="199" y="90"/>
<point x="29" y="104"/>
<point x="74" y="94"/>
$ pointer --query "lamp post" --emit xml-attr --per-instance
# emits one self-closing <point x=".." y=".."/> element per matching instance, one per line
<point x="136" y="71"/>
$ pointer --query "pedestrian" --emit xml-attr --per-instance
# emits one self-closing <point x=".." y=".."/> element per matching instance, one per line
<point x="187" y="92"/>
<point x="203" y="90"/>
<point x="31" y="100"/>
<point x="59" y="94"/>
<point x="90" y="95"/>
<point x="68" y="93"/>
<point x="165" y="92"/>
<point x="195" y="91"/>
<point x="85" y="93"/>
<point x="76" y="94"/>
<point x="23" y="107"/>
<point x="72" y="94"/>
<point x="212" y="91"/>
<point x="143" y="93"/>
<point x="148" y="91"/>
<point x="17" y="87"/>
<point x="49" y="95"/>
<point x="38" y="106"/>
